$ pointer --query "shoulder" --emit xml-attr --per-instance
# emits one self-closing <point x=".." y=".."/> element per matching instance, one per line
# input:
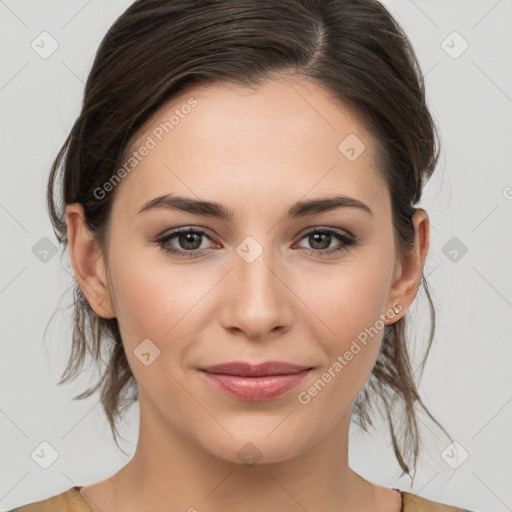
<point x="68" y="501"/>
<point x="415" y="503"/>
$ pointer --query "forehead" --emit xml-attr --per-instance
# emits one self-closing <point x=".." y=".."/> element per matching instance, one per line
<point x="282" y="138"/>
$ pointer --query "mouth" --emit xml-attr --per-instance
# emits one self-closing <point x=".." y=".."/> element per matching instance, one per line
<point x="252" y="382"/>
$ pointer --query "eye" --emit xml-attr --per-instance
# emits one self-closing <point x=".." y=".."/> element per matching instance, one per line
<point x="321" y="238"/>
<point x="188" y="238"/>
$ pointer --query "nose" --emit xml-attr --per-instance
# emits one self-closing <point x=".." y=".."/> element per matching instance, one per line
<point x="257" y="301"/>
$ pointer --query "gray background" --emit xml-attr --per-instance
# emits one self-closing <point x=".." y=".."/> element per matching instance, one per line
<point x="467" y="383"/>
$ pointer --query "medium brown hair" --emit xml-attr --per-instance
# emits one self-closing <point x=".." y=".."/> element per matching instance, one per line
<point x="354" y="49"/>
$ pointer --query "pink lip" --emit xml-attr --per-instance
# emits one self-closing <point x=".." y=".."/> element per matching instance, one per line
<point x="255" y="382"/>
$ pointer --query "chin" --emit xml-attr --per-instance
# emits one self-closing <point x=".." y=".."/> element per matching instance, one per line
<point x="255" y="447"/>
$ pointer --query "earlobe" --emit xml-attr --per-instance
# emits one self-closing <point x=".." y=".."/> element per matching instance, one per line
<point x="408" y="273"/>
<point x="88" y="264"/>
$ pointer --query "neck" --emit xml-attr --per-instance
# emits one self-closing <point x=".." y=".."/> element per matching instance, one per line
<point x="169" y="469"/>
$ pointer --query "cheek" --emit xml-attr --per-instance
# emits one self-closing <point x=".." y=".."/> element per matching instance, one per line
<point x="351" y="304"/>
<point x="156" y="298"/>
<point x="147" y="302"/>
<point x="155" y="301"/>
<point x="350" y="298"/>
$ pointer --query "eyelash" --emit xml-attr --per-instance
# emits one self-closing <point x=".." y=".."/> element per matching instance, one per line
<point x="163" y="242"/>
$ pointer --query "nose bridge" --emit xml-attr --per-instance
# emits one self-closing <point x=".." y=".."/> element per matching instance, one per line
<point x="258" y="298"/>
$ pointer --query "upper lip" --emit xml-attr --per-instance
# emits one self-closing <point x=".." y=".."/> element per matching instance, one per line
<point x="244" y="369"/>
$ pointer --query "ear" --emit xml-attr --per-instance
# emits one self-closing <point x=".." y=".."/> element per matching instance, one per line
<point x="407" y="277"/>
<point x="88" y="263"/>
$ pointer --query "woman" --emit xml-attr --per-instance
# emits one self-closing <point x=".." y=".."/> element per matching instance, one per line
<point x="238" y="198"/>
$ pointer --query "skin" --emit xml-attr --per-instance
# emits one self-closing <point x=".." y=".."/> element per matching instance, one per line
<point x="256" y="152"/>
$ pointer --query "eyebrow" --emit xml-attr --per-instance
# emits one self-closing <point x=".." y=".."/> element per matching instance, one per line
<point x="217" y="210"/>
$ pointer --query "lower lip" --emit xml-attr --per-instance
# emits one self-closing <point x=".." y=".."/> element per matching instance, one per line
<point x="255" y="388"/>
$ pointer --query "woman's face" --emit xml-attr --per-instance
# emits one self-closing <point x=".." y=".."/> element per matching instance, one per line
<point x="264" y="283"/>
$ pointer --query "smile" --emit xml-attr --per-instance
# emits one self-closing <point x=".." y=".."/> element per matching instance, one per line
<point x="245" y="381"/>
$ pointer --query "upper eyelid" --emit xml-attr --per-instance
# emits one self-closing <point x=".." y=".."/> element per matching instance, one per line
<point x="185" y="229"/>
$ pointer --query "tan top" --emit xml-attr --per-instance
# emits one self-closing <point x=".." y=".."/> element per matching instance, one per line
<point x="72" y="501"/>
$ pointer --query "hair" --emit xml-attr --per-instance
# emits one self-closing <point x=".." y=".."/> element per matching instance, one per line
<point x="354" y="49"/>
